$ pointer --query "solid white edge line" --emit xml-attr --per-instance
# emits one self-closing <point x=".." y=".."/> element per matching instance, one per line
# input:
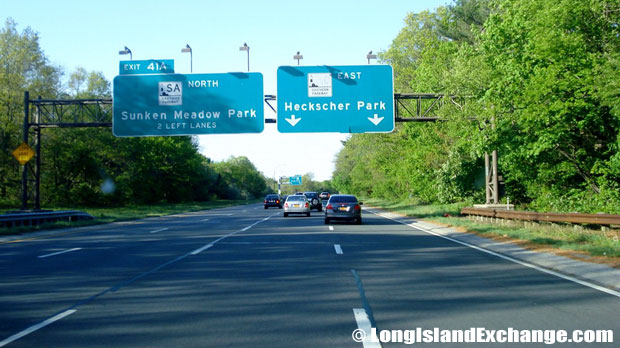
<point x="159" y="230"/>
<point x="363" y="323"/>
<point x="59" y="253"/>
<point x="37" y="327"/>
<point x="338" y="249"/>
<point x="511" y="259"/>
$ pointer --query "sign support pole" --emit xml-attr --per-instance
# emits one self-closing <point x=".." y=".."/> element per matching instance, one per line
<point x="37" y="168"/>
<point x="25" y="139"/>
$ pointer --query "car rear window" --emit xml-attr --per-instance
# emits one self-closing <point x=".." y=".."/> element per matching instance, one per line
<point x="296" y="198"/>
<point x="311" y="194"/>
<point x="272" y="196"/>
<point x="343" y="199"/>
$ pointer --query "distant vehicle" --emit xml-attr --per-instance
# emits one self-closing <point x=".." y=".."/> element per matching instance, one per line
<point x="315" y="202"/>
<point x="283" y="199"/>
<point x="272" y="200"/>
<point x="343" y="207"/>
<point x="324" y="196"/>
<point x="296" y="204"/>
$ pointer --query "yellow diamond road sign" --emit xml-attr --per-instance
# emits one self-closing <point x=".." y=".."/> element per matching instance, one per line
<point x="23" y="153"/>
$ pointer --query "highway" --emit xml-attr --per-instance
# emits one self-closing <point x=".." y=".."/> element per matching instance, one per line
<point x="248" y="277"/>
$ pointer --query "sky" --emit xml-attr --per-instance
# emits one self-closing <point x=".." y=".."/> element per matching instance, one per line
<point x="89" y="34"/>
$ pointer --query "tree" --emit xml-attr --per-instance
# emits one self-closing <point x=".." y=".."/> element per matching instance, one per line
<point x="241" y="179"/>
<point x="554" y="124"/>
<point x="429" y="162"/>
<point x="23" y="66"/>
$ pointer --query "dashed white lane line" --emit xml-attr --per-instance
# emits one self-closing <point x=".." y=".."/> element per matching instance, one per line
<point x="159" y="230"/>
<point x="71" y="311"/>
<point x="338" y="249"/>
<point x="204" y="220"/>
<point x="207" y="246"/>
<point x="59" y="253"/>
<point x="199" y="250"/>
<point x="363" y="323"/>
<point x="37" y="327"/>
<point x="218" y="214"/>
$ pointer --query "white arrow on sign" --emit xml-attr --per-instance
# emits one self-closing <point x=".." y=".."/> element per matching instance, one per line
<point x="293" y="121"/>
<point x="375" y="120"/>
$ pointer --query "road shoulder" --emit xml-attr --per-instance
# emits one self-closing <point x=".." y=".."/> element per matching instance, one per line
<point x="599" y="274"/>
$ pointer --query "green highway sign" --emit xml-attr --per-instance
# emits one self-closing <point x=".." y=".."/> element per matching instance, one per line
<point x="295" y="180"/>
<point x="187" y="104"/>
<point x="151" y="66"/>
<point x="345" y="99"/>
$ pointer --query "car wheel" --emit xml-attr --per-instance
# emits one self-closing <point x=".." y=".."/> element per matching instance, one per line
<point x="358" y="221"/>
<point x="327" y="221"/>
<point x="315" y="202"/>
<point x="320" y="209"/>
<point x="265" y="207"/>
<point x="307" y="214"/>
<point x="280" y="207"/>
<point x="285" y="214"/>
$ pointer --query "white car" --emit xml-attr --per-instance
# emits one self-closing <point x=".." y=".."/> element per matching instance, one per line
<point x="296" y="204"/>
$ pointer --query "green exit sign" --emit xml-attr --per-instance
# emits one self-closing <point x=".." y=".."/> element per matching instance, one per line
<point x="151" y="66"/>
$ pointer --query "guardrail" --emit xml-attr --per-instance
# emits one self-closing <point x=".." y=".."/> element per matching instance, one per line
<point x="37" y="218"/>
<point x="573" y="218"/>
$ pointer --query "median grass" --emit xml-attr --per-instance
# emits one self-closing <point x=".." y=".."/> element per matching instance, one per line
<point x="104" y="215"/>
<point x="581" y="242"/>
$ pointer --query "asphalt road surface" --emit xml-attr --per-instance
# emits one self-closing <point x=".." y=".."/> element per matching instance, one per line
<point x="248" y="277"/>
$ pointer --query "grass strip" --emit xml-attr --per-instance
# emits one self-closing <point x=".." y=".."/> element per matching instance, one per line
<point x="592" y="242"/>
<point x="105" y="215"/>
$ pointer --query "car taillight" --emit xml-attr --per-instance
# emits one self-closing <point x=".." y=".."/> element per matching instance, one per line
<point x="357" y="207"/>
<point x="329" y="206"/>
<point x="278" y="201"/>
<point x="265" y="201"/>
<point x="286" y="205"/>
<point x="306" y="204"/>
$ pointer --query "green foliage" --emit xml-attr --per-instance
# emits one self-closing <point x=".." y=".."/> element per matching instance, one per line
<point x="539" y="80"/>
<point x="239" y="178"/>
<point x="22" y="67"/>
<point x="428" y="162"/>
<point x="556" y="128"/>
<point x="90" y="166"/>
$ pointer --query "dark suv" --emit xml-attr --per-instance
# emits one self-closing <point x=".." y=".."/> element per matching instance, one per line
<point x="315" y="202"/>
<point x="273" y="201"/>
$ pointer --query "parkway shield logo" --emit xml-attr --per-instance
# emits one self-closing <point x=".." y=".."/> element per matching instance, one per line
<point x="171" y="93"/>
